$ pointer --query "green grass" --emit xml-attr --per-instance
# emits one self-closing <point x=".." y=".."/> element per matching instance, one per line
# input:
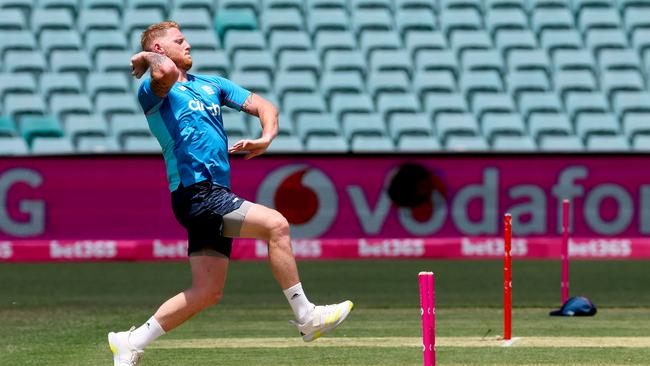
<point x="59" y="314"/>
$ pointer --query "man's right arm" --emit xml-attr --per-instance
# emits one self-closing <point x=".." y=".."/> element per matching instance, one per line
<point x="164" y="72"/>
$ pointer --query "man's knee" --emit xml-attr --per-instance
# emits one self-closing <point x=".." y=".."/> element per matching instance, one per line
<point x="209" y="297"/>
<point x="278" y="226"/>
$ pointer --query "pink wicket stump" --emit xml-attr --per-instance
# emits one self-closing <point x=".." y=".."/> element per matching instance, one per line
<point x="428" y="312"/>
<point x="565" y="250"/>
<point x="507" y="278"/>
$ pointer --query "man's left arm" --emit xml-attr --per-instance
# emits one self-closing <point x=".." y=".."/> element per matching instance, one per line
<point x="268" y="115"/>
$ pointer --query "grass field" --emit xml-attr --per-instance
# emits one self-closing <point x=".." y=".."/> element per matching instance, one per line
<point x="59" y="314"/>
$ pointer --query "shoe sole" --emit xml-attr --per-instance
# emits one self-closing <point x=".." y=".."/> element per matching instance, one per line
<point x="314" y="336"/>
<point x="111" y="345"/>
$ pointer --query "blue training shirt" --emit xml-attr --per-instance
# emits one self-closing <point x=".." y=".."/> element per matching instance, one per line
<point x="189" y="127"/>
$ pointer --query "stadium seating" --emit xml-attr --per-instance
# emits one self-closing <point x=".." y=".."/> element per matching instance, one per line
<point x="348" y="75"/>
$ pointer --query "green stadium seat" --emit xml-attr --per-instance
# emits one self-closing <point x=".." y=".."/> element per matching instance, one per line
<point x="463" y="40"/>
<point x="567" y="81"/>
<point x="59" y="83"/>
<point x="326" y="4"/>
<point x="208" y="5"/>
<point x="282" y="41"/>
<point x="371" y="41"/>
<point x="416" y="41"/>
<point x="472" y="82"/>
<point x="387" y="82"/>
<point x="140" y="19"/>
<point x="105" y="40"/>
<point x="310" y="125"/>
<point x="541" y="125"/>
<point x="25" y="61"/>
<point x="364" y="20"/>
<point x="78" y="126"/>
<point x="124" y="126"/>
<point x="578" y="5"/>
<point x="415" y="20"/>
<point x="17" y="41"/>
<point x="583" y="102"/>
<point x="50" y="19"/>
<point x="42" y="145"/>
<point x="98" y="20"/>
<point x="527" y="81"/>
<point x="110" y="105"/>
<point x="296" y="104"/>
<point x="341" y="105"/>
<point x="437" y="60"/>
<point x="461" y="4"/>
<point x="204" y="40"/>
<point x="161" y="6"/>
<point x="98" y="83"/>
<point x="466" y="143"/>
<point x="629" y="102"/>
<point x="505" y="4"/>
<point x="636" y="18"/>
<point x="402" y="124"/>
<point x="560" y="39"/>
<point x="482" y="60"/>
<point x="192" y="19"/>
<point x="63" y="105"/>
<point x="609" y="143"/>
<point x="533" y="5"/>
<point x="551" y="18"/>
<point x="595" y="123"/>
<point x="141" y="145"/>
<point x="20" y="83"/>
<point x="71" y="61"/>
<point x="343" y="82"/>
<point x="391" y="103"/>
<point x="604" y="18"/>
<point x="556" y="143"/>
<point x="574" y="60"/>
<point x="282" y="20"/>
<point x="258" y="82"/>
<point x="12" y="20"/>
<point x="626" y="59"/>
<point x="362" y="124"/>
<point x="117" y="5"/>
<point x="96" y="145"/>
<point x="635" y="124"/>
<point x="7" y="128"/>
<point x="17" y="106"/>
<point x="114" y="61"/>
<point x="426" y="5"/>
<point x="25" y="6"/>
<point x="327" y="20"/>
<point x="235" y="19"/>
<point x="285" y="144"/>
<point x="326" y="144"/>
<point x="605" y="39"/>
<point x="52" y="40"/>
<point x="615" y="81"/>
<point x="505" y="19"/>
<point x="283" y="4"/>
<point x="437" y="103"/>
<point x="345" y="61"/>
<point x="536" y="102"/>
<point x="210" y="62"/>
<point x="507" y="40"/>
<point x="305" y="60"/>
<point x="494" y="125"/>
<point x="40" y="126"/>
<point x="641" y="40"/>
<point x="433" y="82"/>
<point x="390" y="60"/>
<point x="326" y="41"/>
<point x="371" y="144"/>
<point x="529" y="60"/>
<point x="251" y="5"/>
<point x="10" y="146"/>
<point x="513" y="143"/>
<point x="294" y="82"/>
<point x="254" y="60"/>
<point x="490" y="103"/>
<point x="370" y="4"/>
<point x="418" y="144"/>
<point x="448" y="124"/>
<point x="641" y="143"/>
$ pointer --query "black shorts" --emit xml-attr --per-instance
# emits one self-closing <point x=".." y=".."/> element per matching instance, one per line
<point x="200" y="208"/>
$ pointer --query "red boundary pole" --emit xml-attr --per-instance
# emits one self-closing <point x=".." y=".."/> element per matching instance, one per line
<point x="507" y="278"/>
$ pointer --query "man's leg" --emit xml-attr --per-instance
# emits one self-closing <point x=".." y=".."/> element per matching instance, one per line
<point x="312" y="321"/>
<point x="208" y="279"/>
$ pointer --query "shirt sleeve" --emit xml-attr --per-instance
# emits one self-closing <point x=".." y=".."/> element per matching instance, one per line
<point x="149" y="101"/>
<point x="232" y="95"/>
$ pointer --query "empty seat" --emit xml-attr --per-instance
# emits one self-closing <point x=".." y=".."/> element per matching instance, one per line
<point x="604" y="39"/>
<point x="12" y="20"/>
<point x="464" y="40"/>
<point x="500" y="19"/>
<point x="346" y="82"/>
<point x="111" y="104"/>
<point x="98" y="20"/>
<point x="437" y="103"/>
<point x="505" y="4"/>
<point x="641" y="40"/>
<point x="418" y="144"/>
<point x="100" y="40"/>
<point x="252" y="5"/>
<point x="541" y="125"/>
<point x="482" y="60"/>
<point x="578" y="5"/>
<point x="588" y="124"/>
<point x="282" y="41"/>
<point x="109" y="61"/>
<point x="285" y="144"/>
<point x="304" y="60"/>
<point x="296" y="82"/>
<point x="452" y="20"/>
<point x="295" y="104"/>
<point x="636" y="123"/>
<point x="17" y="106"/>
<point x="227" y="20"/>
<point x="258" y="82"/>
<point x="371" y="144"/>
<point x="598" y="19"/>
<point x="208" y="5"/>
<point x="140" y="19"/>
<point x="524" y="60"/>
<point x="391" y="103"/>
<point x="326" y="41"/>
<point x="614" y="81"/>
<point x="415" y="20"/>
<point x="448" y="124"/>
<point x="370" y="4"/>
<point x="340" y="105"/>
<point x="319" y="20"/>
<point x="535" y="102"/>
<point x="551" y="18"/>
<point x="527" y="81"/>
<point x="437" y="60"/>
<point x="52" y="146"/>
<point x="574" y="60"/>
<point x="282" y="20"/>
<point x="415" y="5"/>
<point x="18" y="41"/>
<point x="18" y="83"/>
<point x="409" y="124"/>
<point x="641" y="143"/>
<point x="574" y="80"/>
<point x="560" y="39"/>
<point x="433" y="82"/>
<point x="489" y="103"/>
<point x="126" y="126"/>
<point x="472" y="82"/>
<point x="513" y="143"/>
<point x="556" y="143"/>
<point x="371" y="20"/>
<point x="494" y="125"/>
<point x="50" y="19"/>
<point x="77" y="126"/>
<point x="533" y="5"/>
<point x="390" y="60"/>
<point x="254" y="60"/>
<point x="388" y="82"/>
<point x="117" y="5"/>
<point x="345" y="60"/>
<point x="371" y="41"/>
<point x="581" y="102"/>
<point x="416" y="41"/>
<point x="327" y="144"/>
<point x="162" y="6"/>
<point x="96" y="145"/>
<point x="106" y="82"/>
<point x="51" y="40"/>
<point x="611" y="143"/>
<point x="192" y="19"/>
<point x="32" y="127"/>
<point x="210" y="62"/>
<point x="309" y="125"/>
<point x="13" y="146"/>
<point x="466" y="143"/>
<point x="514" y="39"/>
<point x="636" y="18"/>
<point x="362" y="124"/>
<point x="626" y="59"/>
<point x="62" y="105"/>
<point x="237" y="127"/>
<point x="237" y="40"/>
<point x="626" y="102"/>
<point x="25" y="61"/>
<point x="59" y="83"/>
<point x="202" y="39"/>
<point x="7" y="127"/>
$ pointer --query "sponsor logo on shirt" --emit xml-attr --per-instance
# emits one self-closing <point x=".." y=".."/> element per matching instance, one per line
<point x="207" y="89"/>
<point x="197" y="105"/>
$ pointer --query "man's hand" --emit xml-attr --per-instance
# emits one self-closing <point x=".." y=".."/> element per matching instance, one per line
<point x="254" y="147"/>
<point x="139" y="64"/>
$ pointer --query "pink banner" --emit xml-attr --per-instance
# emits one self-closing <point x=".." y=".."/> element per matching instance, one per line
<point x="337" y="197"/>
<point x="328" y="249"/>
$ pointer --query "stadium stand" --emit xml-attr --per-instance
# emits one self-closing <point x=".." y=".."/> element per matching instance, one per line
<point x="349" y="75"/>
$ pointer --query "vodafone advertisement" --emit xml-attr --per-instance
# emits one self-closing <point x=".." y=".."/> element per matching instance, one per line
<point x="118" y="207"/>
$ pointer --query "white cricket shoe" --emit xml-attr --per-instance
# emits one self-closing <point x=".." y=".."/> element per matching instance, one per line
<point x="123" y="353"/>
<point x="323" y="319"/>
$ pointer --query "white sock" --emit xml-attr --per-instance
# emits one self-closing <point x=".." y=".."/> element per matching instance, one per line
<point x="147" y="333"/>
<point x="299" y="303"/>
